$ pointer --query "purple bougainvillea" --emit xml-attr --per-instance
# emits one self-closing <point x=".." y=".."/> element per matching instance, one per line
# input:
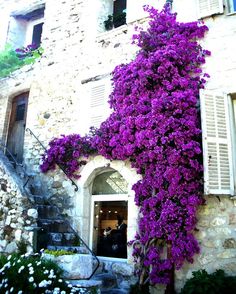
<point x="155" y="124"/>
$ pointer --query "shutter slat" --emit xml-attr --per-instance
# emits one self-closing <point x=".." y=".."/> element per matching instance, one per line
<point x="209" y="7"/>
<point x="218" y="173"/>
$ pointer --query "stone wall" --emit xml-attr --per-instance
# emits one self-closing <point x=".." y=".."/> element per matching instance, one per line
<point x="77" y="51"/>
<point x="217" y="239"/>
<point x="17" y="217"/>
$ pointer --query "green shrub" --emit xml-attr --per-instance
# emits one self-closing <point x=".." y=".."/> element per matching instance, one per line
<point x="215" y="283"/>
<point x="11" y="60"/>
<point x="58" y="252"/>
<point x="31" y="274"/>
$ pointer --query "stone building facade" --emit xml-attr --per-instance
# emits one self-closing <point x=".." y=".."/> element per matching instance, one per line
<point x="67" y="91"/>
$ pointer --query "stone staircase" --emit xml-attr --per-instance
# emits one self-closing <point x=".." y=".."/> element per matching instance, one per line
<point x="54" y="232"/>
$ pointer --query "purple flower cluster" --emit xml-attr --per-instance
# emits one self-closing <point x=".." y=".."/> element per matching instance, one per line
<point x="155" y="124"/>
<point x="26" y="51"/>
<point x="69" y="152"/>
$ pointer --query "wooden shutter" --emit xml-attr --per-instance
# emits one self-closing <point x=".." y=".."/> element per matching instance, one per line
<point x="209" y="7"/>
<point x="217" y="152"/>
<point x="98" y="106"/>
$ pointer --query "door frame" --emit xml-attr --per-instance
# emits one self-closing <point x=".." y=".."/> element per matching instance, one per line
<point x="110" y="198"/>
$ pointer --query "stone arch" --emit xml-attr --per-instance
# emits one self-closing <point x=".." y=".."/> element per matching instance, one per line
<point x="93" y="168"/>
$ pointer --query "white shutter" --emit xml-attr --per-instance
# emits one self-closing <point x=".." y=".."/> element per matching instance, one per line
<point x="98" y="104"/>
<point x="217" y="152"/>
<point x="135" y="8"/>
<point x="209" y="7"/>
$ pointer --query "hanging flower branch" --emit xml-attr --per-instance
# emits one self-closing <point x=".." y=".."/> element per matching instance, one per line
<point x="155" y="124"/>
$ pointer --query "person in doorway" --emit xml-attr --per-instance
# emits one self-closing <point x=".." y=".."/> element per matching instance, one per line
<point x="120" y="238"/>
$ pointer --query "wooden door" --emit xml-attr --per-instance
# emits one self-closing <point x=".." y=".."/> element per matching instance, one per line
<point x="16" y="130"/>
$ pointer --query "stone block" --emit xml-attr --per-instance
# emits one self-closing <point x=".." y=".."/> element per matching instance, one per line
<point x="219" y="221"/>
<point x="75" y="266"/>
<point x="11" y="248"/>
<point x="229" y="243"/>
<point x="32" y="213"/>
<point x="123" y="269"/>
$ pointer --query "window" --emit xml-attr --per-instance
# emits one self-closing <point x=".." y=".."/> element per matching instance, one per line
<point x="217" y="126"/>
<point x="209" y="7"/>
<point x="117" y="14"/>
<point x="109" y="217"/>
<point x="26" y="28"/>
<point x="93" y="104"/>
<point x="231" y="6"/>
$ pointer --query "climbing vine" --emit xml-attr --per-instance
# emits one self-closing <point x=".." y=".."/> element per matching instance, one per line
<point x="155" y="125"/>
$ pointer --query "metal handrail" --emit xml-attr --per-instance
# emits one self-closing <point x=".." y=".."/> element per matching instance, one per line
<point x="45" y="149"/>
<point x="78" y="236"/>
<point x="76" y="189"/>
<point x="15" y="162"/>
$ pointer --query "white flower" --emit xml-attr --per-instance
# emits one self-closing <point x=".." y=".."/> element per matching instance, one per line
<point x="20" y="292"/>
<point x="9" y="257"/>
<point x="42" y="284"/>
<point x="29" y="265"/>
<point x="60" y="280"/>
<point x="63" y="292"/>
<point x="31" y="279"/>
<point x="38" y="263"/>
<point x="46" y="272"/>
<point x="20" y="269"/>
<point x="11" y="290"/>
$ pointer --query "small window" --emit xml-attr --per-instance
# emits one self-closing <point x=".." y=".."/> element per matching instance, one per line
<point x="117" y="16"/>
<point x="26" y="28"/>
<point x="37" y="34"/>
<point x="231" y="6"/>
<point x="20" y="112"/>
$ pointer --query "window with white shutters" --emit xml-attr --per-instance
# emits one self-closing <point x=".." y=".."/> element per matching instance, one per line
<point x="217" y="150"/>
<point x="209" y="7"/>
<point x="98" y="102"/>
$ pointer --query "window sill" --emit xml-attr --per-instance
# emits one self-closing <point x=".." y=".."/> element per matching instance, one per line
<point x="114" y="259"/>
<point x="231" y="13"/>
<point x="104" y="35"/>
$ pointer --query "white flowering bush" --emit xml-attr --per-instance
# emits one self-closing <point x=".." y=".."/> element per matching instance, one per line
<point x="24" y="274"/>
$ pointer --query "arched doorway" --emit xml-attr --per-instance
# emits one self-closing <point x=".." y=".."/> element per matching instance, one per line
<point x="109" y="215"/>
<point x="16" y="128"/>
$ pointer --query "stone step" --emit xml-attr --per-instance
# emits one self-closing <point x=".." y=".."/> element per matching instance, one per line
<point x="62" y="239"/>
<point x="115" y="291"/>
<point x="109" y="281"/>
<point x="87" y="286"/>
<point x="47" y="211"/>
<point x="77" y="249"/>
<point x="39" y="199"/>
<point x="57" y="225"/>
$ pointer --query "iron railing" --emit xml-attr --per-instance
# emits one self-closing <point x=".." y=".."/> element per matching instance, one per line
<point x="45" y="149"/>
<point x="76" y="189"/>
<point x="14" y="161"/>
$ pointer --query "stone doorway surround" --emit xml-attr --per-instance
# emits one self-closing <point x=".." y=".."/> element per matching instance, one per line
<point x="94" y="167"/>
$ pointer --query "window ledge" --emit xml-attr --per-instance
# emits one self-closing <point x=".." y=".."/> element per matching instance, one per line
<point x="104" y="35"/>
<point x="231" y="13"/>
<point x="112" y="259"/>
